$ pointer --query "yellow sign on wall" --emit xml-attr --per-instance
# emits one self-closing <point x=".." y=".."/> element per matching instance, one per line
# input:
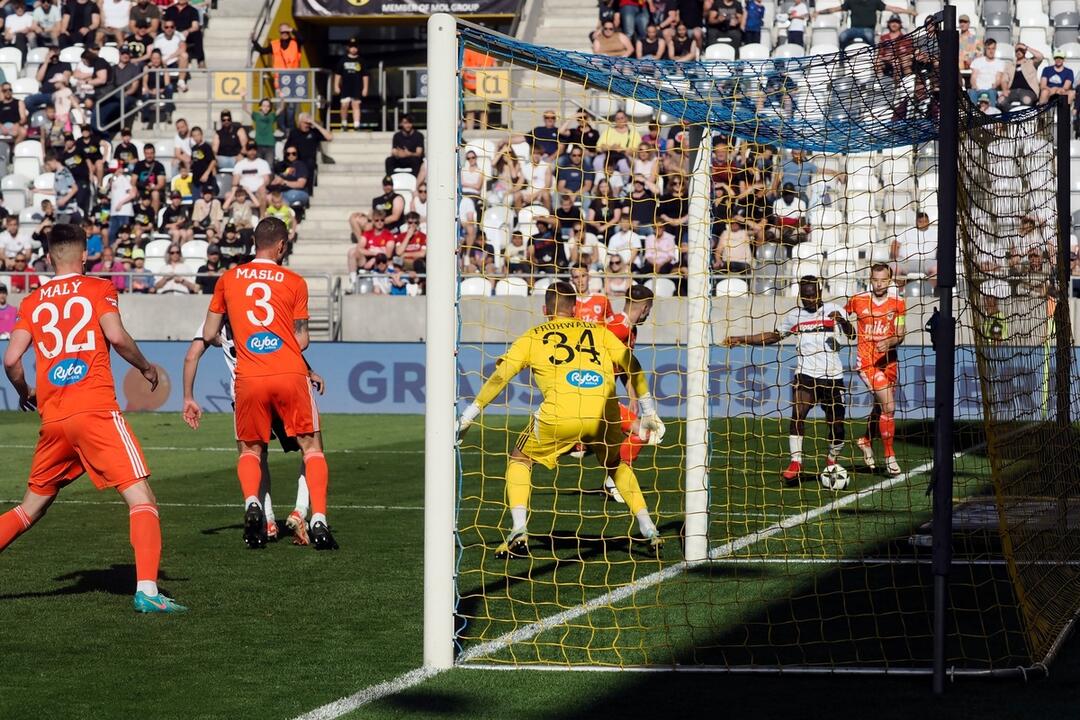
<point x="230" y="86"/>
<point x="493" y="84"/>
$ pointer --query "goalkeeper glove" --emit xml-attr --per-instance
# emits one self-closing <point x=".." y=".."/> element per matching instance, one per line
<point x="650" y="428"/>
<point x="465" y="421"/>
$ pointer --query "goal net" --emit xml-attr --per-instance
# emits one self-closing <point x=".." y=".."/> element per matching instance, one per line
<point x="722" y="186"/>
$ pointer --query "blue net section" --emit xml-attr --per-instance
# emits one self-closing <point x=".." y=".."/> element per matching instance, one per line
<point x="854" y="100"/>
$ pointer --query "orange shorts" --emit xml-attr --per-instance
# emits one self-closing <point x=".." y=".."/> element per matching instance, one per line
<point x="880" y="378"/>
<point x="98" y="443"/>
<point x="289" y="395"/>
<point x="628" y="417"/>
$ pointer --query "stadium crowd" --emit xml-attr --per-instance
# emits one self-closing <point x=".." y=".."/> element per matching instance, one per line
<point x="611" y="193"/>
<point x="162" y="217"/>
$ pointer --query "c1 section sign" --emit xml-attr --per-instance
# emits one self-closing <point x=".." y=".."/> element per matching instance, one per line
<point x="402" y="8"/>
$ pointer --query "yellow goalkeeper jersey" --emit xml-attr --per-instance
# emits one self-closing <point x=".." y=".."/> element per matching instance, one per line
<point x="573" y="364"/>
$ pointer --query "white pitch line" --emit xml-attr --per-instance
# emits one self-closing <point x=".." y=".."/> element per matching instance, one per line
<point x="403" y="682"/>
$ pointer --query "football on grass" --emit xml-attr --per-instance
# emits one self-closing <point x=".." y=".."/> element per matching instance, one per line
<point x="834" y="478"/>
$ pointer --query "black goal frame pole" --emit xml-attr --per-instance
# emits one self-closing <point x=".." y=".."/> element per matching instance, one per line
<point x="945" y="332"/>
<point x="1062" y="317"/>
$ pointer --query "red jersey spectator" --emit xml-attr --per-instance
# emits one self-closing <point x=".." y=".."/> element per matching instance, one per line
<point x="376" y="241"/>
<point x="412" y="244"/>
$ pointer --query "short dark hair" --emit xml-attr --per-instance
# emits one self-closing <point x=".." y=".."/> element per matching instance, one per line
<point x="639" y="293"/>
<point x="878" y="267"/>
<point x="806" y="280"/>
<point x="270" y="231"/>
<point x="64" y="239"/>
<point x="412" y="216"/>
<point x="149" y="146"/>
<point x="560" y="296"/>
<point x="989" y="42"/>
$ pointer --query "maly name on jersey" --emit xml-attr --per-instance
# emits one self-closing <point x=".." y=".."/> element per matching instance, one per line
<point x="260" y="274"/>
<point x="56" y="289"/>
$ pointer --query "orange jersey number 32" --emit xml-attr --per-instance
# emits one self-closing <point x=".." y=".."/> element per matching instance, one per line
<point x="74" y="373"/>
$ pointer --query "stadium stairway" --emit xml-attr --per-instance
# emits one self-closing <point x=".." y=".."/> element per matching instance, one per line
<point x="565" y="24"/>
<point x="343" y="188"/>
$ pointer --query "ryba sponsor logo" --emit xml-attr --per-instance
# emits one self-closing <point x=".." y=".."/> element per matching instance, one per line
<point x="264" y="342"/>
<point x="584" y="378"/>
<point x="67" y="372"/>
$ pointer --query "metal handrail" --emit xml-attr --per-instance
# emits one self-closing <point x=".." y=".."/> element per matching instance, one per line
<point x="320" y="82"/>
<point x="261" y="22"/>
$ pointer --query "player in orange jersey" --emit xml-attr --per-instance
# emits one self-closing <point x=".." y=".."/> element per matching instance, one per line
<point x="590" y="308"/>
<point x="880" y="321"/>
<point x="72" y="321"/>
<point x="267" y="308"/>
<point x="624" y="325"/>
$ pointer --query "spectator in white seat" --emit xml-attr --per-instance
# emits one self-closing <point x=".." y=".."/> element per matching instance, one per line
<point x="10" y="242"/>
<point x="176" y="276"/>
<point x="516" y="255"/>
<point x="971" y="45"/>
<point x="915" y="250"/>
<point x="468" y="218"/>
<point x="47" y="16"/>
<point x="471" y="176"/>
<point x="734" y="252"/>
<point x="612" y="42"/>
<point x="1056" y="80"/>
<point x="173" y="51"/>
<point x="1022" y="79"/>
<point x="20" y="30"/>
<point x="116" y="15"/>
<point x="987" y="73"/>
<point x="615" y="146"/>
<point x="253" y="174"/>
<point x="985" y="107"/>
<point x="537" y="174"/>
<point x="617" y="279"/>
<point x="683" y="47"/>
<point x="723" y="21"/>
<point x="625" y="243"/>
<point x="418" y="205"/>
<point x="661" y="252"/>
<point x="790" y="212"/>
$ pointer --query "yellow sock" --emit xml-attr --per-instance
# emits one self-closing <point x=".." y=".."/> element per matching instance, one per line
<point x="626" y="482"/>
<point x="518" y="489"/>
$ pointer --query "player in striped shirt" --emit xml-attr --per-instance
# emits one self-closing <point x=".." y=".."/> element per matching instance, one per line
<point x="819" y="373"/>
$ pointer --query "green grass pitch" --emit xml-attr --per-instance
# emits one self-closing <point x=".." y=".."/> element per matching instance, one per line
<point x="276" y="633"/>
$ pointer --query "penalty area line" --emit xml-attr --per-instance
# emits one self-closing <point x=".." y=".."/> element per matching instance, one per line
<point x="345" y="705"/>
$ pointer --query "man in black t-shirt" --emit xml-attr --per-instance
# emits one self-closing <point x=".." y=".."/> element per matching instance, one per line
<point x="140" y="43"/>
<point x="291" y="178"/>
<point x="186" y="19"/>
<point x="145" y="219"/>
<point x="176" y="219"/>
<point x="306" y="137"/>
<point x="79" y="23"/>
<point x="89" y="146"/>
<point x="351" y="83"/>
<point x="150" y="175"/>
<point x="863" y="18"/>
<point x="72" y="159"/>
<point x="209" y="273"/>
<point x="126" y="151"/>
<point x="13" y="115"/>
<point x="203" y="162"/>
<point x="389" y="204"/>
<point x="407" y="148"/>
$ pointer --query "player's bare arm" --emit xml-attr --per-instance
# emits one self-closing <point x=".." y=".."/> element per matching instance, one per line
<point x="191" y="412"/>
<point x="300" y="329"/>
<point x="765" y="338"/>
<point x="844" y="324"/>
<point x="18" y="344"/>
<point x="899" y="331"/>
<point x="125" y="347"/>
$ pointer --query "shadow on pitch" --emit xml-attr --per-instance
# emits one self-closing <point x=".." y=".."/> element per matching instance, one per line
<point x="222" y="528"/>
<point x="118" y="579"/>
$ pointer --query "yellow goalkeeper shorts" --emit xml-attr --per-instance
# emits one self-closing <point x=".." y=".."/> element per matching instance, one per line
<point x="546" y="439"/>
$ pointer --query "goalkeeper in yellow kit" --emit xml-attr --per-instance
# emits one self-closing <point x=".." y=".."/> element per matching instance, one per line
<point x="574" y="365"/>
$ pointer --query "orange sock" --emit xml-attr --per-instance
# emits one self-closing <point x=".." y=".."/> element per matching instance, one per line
<point x="249" y="470"/>
<point x="13" y="523"/>
<point x="318" y="478"/>
<point x="146" y="540"/>
<point x="888" y="431"/>
<point x="631" y="448"/>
